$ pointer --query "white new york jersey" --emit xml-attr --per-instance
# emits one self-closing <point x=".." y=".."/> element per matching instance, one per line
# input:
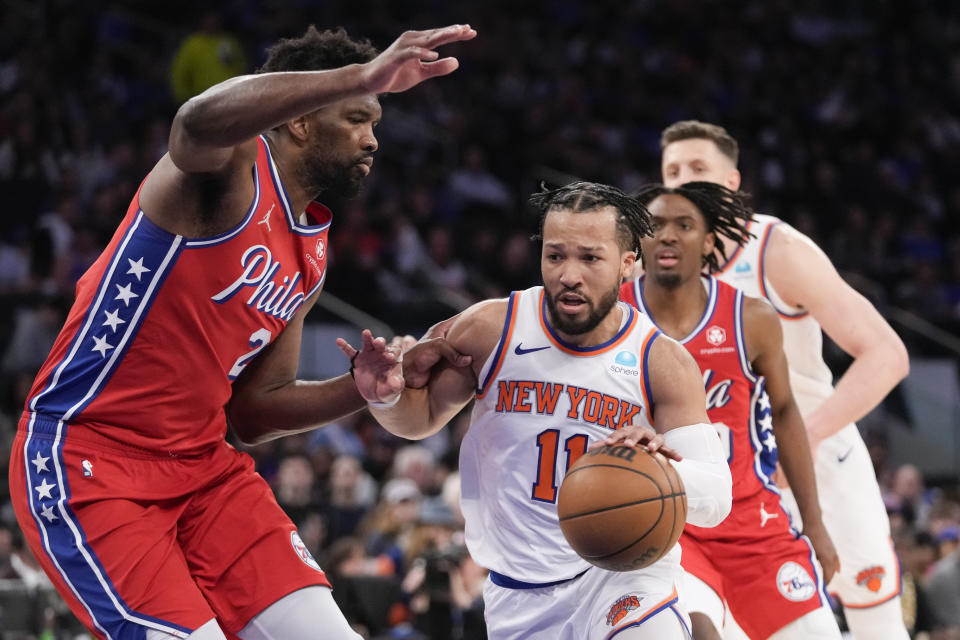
<point x="541" y="402"/>
<point x="810" y="378"/>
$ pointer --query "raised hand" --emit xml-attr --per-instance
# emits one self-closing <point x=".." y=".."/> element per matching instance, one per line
<point x="633" y="435"/>
<point x="376" y="368"/>
<point x="411" y="59"/>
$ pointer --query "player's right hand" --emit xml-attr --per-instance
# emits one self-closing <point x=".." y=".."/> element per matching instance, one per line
<point x="376" y="368"/>
<point x="411" y="59"/>
<point x="633" y="435"/>
<point x="823" y="547"/>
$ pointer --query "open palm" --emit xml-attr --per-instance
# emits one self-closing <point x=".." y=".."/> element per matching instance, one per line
<point x="411" y="59"/>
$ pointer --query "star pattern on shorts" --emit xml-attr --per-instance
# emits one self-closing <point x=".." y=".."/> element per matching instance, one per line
<point x="47" y="512"/>
<point x="43" y="489"/>
<point x="40" y="462"/>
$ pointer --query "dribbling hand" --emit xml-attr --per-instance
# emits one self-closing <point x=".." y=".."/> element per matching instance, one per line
<point x="376" y="368"/>
<point x="633" y="435"/>
<point x="411" y="59"/>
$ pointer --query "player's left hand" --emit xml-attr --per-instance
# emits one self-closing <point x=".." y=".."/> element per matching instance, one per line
<point x="633" y="435"/>
<point x="376" y="367"/>
<point x="420" y="359"/>
<point x="823" y="547"/>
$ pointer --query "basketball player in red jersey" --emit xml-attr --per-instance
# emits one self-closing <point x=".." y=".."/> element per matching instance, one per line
<point x="149" y="524"/>
<point x="754" y="561"/>
<point x="789" y="270"/>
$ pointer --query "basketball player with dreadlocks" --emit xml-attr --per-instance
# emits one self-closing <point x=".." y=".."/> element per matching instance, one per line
<point x="545" y="360"/>
<point x="797" y="278"/>
<point x="754" y="562"/>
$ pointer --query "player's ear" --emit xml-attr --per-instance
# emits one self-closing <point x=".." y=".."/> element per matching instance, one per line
<point x="709" y="243"/>
<point x="628" y="260"/>
<point x="299" y="128"/>
<point x="733" y="180"/>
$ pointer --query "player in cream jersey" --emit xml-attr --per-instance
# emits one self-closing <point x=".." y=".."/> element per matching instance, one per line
<point x="556" y="369"/>
<point x="541" y="402"/>
<point x="788" y="269"/>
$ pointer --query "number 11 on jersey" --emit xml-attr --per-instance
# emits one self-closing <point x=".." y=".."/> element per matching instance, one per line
<point x="545" y="488"/>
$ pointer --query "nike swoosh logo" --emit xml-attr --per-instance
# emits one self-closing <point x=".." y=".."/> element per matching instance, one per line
<point x="520" y="350"/>
<point x="844" y="456"/>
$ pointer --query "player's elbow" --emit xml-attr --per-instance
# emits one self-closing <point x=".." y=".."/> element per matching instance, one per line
<point x="899" y="359"/>
<point x="709" y="501"/>
<point x="247" y="430"/>
<point x="705" y="473"/>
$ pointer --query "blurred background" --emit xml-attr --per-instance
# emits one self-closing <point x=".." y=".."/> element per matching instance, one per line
<point x="848" y="118"/>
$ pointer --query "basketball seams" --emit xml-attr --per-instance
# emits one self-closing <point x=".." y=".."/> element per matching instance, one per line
<point x="662" y="497"/>
<point x="658" y="486"/>
<point x="674" y="494"/>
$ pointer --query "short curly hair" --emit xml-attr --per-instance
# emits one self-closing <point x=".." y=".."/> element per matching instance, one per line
<point x="317" y="50"/>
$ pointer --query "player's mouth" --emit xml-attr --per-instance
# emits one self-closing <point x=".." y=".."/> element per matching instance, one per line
<point x="571" y="302"/>
<point x="364" y="165"/>
<point x="668" y="258"/>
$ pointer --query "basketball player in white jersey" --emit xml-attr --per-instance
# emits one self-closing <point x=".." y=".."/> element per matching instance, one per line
<point x="554" y="369"/>
<point x="788" y="269"/>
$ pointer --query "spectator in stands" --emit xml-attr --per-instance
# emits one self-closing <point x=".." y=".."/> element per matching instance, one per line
<point x="206" y="57"/>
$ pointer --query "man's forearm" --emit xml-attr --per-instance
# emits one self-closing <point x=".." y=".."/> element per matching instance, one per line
<point x="411" y="417"/>
<point x="863" y="386"/>
<point x="240" y="108"/>
<point x="293" y="408"/>
<point x="794" y="452"/>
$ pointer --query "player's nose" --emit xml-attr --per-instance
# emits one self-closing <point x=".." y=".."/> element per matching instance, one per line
<point x="369" y="142"/>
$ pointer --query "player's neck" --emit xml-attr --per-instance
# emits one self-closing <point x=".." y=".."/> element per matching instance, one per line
<point x="297" y="195"/>
<point x="676" y="310"/>
<point x="603" y="332"/>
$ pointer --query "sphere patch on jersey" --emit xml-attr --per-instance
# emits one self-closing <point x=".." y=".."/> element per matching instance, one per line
<point x="626" y="358"/>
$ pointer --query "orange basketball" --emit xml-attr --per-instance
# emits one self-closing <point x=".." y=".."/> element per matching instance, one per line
<point x="622" y="508"/>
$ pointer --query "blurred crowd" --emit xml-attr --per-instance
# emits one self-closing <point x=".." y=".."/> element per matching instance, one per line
<point x="848" y="117"/>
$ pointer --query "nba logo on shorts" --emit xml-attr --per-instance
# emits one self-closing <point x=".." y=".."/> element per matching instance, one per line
<point x="716" y="335"/>
<point x="795" y="583"/>
<point x="302" y="551"/>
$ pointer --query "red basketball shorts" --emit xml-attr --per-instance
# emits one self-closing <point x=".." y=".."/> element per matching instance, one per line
<point x="135" y="539"/>
<point x="758" y="564"/>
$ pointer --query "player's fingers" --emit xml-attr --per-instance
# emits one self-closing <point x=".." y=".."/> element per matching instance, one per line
<point x="440" y="67"/>
<point x="438" y="37"/>
<point x="669" y="453"/>
<point x="366" y="339"/>
<point x="446" y="351"/>
<point x="346" y="347"/>
<point x="654" y="442"/>
<point x="610" y="440"/>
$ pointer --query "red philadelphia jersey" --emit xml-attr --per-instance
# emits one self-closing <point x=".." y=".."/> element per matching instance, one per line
<point x="737" y="404"/>
<point x="163" y="324"/>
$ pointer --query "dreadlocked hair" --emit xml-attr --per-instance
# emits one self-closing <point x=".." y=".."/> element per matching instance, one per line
<point x="633" y="219"/>
<point x="725" y="212"/>
<point x="316" y="50"/>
